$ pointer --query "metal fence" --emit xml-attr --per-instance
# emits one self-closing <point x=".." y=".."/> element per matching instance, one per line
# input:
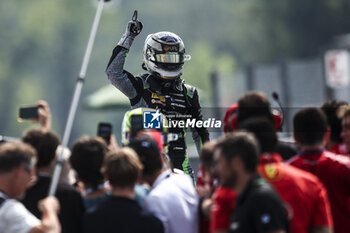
<point x="299" y="83"/>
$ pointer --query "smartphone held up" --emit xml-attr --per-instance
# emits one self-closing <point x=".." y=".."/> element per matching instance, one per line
<point x="104" y="130"/>
<point x="28" y="113"/>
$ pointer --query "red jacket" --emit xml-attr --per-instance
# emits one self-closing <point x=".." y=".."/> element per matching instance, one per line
<point x="334" y="171"/>
<point x="303" y="194"/>
<point x="339" y="149"/>
<point x="223" y="204"/>
<point x="204" y="179"/>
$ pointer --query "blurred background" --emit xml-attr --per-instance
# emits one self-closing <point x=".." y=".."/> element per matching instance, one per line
<point x="236" y="45"/>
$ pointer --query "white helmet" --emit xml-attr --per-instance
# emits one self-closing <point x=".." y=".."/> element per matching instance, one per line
<point x="164" y="53"/>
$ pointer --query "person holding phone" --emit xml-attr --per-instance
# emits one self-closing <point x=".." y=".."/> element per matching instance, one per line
<point x="40" y="113"/>
<point x="105" y="131"/>
<point x="72" y="208"/>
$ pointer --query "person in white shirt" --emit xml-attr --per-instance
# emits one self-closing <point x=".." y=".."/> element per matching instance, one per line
<point x="17" y="161"/>
<point x="172" y="198"/>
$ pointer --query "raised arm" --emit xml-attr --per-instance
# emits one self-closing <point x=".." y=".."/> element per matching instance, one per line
<point x="119" y="77"/>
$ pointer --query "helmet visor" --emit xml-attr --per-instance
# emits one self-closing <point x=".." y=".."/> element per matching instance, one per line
<point x="169" y="58"/>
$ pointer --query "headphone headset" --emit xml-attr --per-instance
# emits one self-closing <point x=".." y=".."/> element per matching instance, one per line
<point x="230" y="118"/>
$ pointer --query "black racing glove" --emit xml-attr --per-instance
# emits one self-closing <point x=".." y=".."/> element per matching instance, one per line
<point x="132" y="30"/>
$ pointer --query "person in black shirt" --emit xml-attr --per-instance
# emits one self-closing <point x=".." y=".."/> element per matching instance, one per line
<point x="71" y="202"/>
<point x="120" y="212"/>
<point x="258" y="208"/>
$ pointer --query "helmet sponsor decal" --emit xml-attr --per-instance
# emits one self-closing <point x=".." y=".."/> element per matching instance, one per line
<point x="158" y="102"/>
<point x="155" y="96"/>
<point x="170" y="48"/>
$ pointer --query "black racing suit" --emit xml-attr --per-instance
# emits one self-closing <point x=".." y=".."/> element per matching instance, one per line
<point x="170" y="97"/>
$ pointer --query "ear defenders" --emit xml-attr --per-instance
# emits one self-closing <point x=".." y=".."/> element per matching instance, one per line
<point x="230" y="118"/>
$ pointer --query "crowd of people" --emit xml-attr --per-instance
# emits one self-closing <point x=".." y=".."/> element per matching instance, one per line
<point x="244" y="183"/>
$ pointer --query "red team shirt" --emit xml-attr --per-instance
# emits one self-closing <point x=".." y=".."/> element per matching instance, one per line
<point x="339" y="149"/>
<point x="303" y="194"/>
<point x="222" y="208"/>
<point x="223" y="201"/>
<point x="203" y="179"/>
<point x="334" y="171"/>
